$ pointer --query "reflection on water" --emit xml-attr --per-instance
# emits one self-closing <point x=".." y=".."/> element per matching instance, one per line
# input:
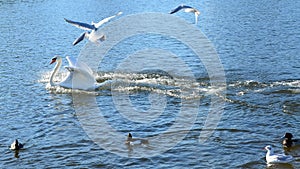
<point x="17" y="154"/>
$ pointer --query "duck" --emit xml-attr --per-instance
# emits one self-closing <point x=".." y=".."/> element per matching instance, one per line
<point x="288" y="142"/>
<point x="272" y="158"/>
<point x="16" y="145"/>
<point x="135" y="141"/>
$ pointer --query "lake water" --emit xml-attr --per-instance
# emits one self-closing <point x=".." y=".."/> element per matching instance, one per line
<point x="161" y="89"/>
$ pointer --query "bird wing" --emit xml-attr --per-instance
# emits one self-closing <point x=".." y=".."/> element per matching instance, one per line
<point x="180" y="7"/>
<point x="21" y="145"/>
<point x="79" y="65"/>
<point x="79" y="39"/>
<point x="78" y="79"/>
<point x="77" y="70"/>
<point x="81" y="25"/>
<point x="186" y="6"/>
<point x="103" y="21"/>
<point x="282" y="157"/>
<point x="72" y="61"/>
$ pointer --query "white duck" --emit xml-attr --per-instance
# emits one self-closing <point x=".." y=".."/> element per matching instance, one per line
<point x="187" y="9"/>
<point x="272" y="158"/>
<point x="92" y="28"/>
<point x="80" y="76"/>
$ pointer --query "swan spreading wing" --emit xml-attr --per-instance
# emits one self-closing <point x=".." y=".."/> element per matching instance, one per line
<point x="78" y="79"/>
<point x="80" y="65"/>
<point x="80" y="76"/>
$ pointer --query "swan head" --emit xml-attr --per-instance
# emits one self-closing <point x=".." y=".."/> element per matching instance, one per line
<point x="55" y="59"/>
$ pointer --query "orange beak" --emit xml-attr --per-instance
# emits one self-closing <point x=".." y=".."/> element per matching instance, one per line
<point x="52" y="61"/>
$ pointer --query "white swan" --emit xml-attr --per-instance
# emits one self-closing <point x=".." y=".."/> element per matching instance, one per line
<point x="92" y="28"/>
<point x="272" y="158"/>
<point x="187" y="9"/>
<point x="80" y="76"/>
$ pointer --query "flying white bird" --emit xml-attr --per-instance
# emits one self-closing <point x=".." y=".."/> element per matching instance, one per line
<point x="187" y="9"/>
<point x="91" y="29"/>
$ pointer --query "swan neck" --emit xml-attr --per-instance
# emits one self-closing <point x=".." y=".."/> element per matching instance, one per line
<point x="55" y="70"/>
<point x="269" y="152"/>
